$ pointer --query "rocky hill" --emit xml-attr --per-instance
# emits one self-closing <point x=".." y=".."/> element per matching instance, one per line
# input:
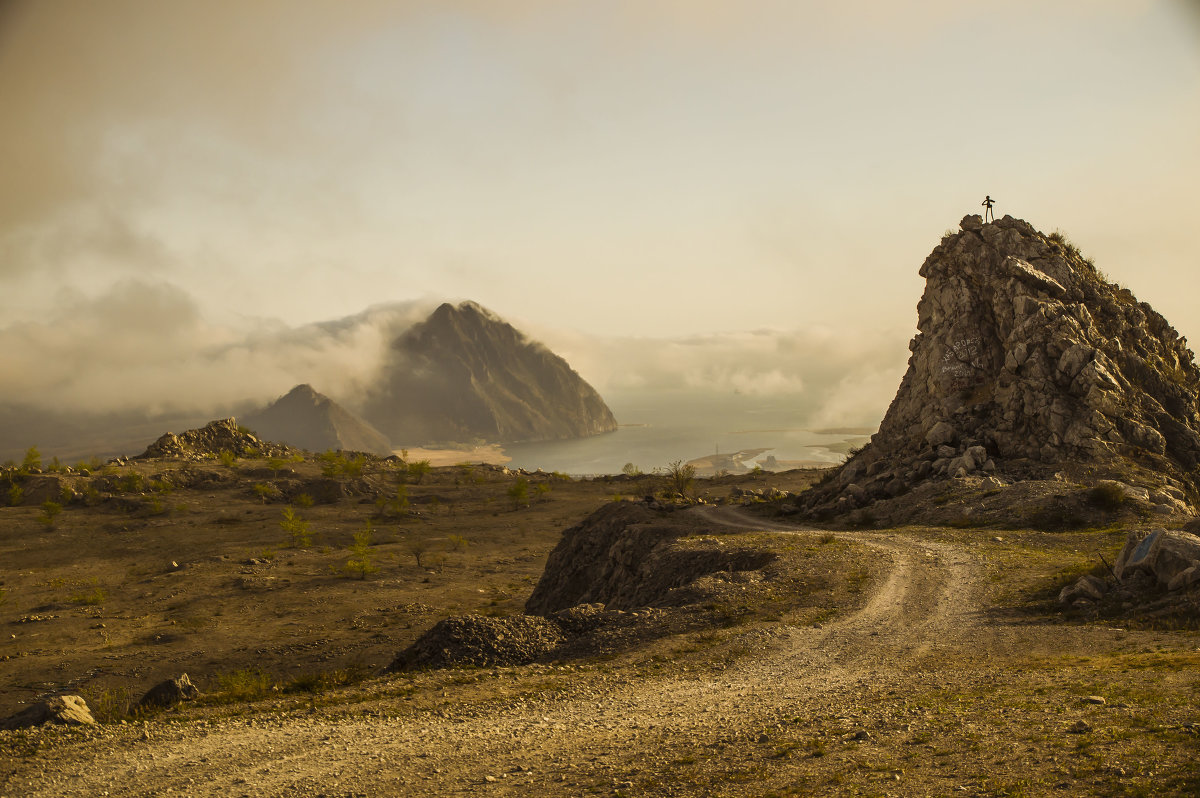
<point x="464" y="375"/>
<point x="211" y="440"/>
<point x="310" y="420"/>
<point x="1027" y="363"/>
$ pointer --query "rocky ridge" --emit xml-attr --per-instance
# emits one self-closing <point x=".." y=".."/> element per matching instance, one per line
<point x="222" y="435"/>
<point x="1027" y="362"/>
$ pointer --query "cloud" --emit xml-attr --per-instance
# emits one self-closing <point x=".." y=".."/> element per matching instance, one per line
<point x="832" y="377"/>
<point x="147" y="346"/>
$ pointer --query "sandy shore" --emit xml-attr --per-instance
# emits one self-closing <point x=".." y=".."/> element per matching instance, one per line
<point x="492" y="453"/>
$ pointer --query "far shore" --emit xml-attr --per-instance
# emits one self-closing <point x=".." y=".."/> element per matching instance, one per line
<point x="492" y="454"/>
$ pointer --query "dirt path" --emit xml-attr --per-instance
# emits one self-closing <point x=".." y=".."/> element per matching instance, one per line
<point x="805" y="700"/>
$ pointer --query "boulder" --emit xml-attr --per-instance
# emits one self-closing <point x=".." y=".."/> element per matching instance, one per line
<point x="941" y="434"/>
<point x="60" y="710"/>
<point x="1091" y="588"/>
<point x="169" y="692"/>
<point x="1161" y="554"/>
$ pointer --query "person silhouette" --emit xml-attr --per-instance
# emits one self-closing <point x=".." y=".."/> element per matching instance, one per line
<point x="987" y="204"/>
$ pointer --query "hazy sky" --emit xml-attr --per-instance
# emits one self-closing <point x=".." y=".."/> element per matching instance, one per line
<point x="664" y="168"/>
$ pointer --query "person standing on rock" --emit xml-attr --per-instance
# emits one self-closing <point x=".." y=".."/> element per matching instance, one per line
<point x="987" y="204"/>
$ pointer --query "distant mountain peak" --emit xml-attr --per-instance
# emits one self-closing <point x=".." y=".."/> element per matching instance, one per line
<point x="310" y="420"/>
<point x="464" y="374"/>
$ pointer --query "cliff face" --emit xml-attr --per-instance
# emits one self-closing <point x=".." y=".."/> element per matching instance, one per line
<point x="309" y="420"/>
<point x="1026" y="359"/>
<point x="464" y="374"/>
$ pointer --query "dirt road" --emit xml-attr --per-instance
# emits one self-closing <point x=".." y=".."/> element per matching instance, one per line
<point x="921" y="692"/>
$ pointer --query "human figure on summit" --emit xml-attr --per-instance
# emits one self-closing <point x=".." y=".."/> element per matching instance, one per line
<point x="987" y="204"/>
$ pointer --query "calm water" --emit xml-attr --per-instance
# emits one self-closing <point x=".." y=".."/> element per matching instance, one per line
<point x="654" y="434"/>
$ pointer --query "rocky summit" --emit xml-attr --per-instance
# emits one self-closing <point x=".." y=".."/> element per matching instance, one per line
<point x="1028" y="362"/>
<point x="465" y="375"/>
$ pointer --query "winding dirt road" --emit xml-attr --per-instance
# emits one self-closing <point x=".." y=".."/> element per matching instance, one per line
<point x="806" y="707"/>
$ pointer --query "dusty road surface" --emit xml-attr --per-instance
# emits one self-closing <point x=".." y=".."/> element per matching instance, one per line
<point x="926" y="689"/>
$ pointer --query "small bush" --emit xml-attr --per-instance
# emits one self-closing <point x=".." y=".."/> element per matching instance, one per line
<point x="50" y="511"/>
<point x="16" y="495"/>
<point x="304" y="500"/>
<point x="458" y="542"/>
<point x="1107" y="496"/>
<point x="246" y="684"/>
<point x="296" y="528"/>
<point x="418" y="469"/>
<point x="227" y="458"/>
<point x="518" y="493"/>
<point x="33" y="459"/>
<point x="361" y="562"/>
<point x="88" y="598"/>
<point x="680" y="477"/>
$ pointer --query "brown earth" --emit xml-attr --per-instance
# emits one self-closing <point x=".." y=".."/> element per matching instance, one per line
<point x="910" y="661"/>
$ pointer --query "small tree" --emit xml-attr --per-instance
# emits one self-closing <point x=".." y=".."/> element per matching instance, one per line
<point x="16" y="495"/>
<point x="361" y="560"/>
<point x="680" y="476"/>
<point x="417" y="547"/>
<point x="275" y="464"/>
<point x="542" y="490"/>
<point x="296" y="528"/>
<point x="418" y="469"/>
<point x="33" y="459"/>
<point x="519" y="493"/>
<point x="265" y="490"/>
<point x="630" y="470"/>
<point x="50" y="511"/>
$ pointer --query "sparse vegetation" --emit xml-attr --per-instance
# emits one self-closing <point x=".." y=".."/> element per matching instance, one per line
<point x="518" y="493"/>
<point x="680" y="477"/>
<point x="50" y="512"/>
<point x="361" y="562"/>
<point x="630" y="470"/>
<point x="297" y="529"/>
<point x="418" y="469"/>
<point x="227" y="458"/>
<point x="32" y="461"/>
<point x="1107" y="496"/>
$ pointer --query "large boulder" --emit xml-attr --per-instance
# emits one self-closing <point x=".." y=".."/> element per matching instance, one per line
<point x="1161" y="554"/>
<point x="59" y="710"/>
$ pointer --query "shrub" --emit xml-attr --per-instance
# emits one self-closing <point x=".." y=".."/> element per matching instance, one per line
<point x="16" y="495"/>
<point x="50" y="511"/>
<point x="361" y="560"/>
<point x="417" y="547"/>
<point x="90" y="597"/>
<point x="246" y="684"/>
<point x="417" y="470"/>
<point x="33" y="459"/>
<point x="133" y="482"/>
<point x="265" y="491"/>
<point x="304" y="500"/>
<point x="519" y="493"/>
<point x="458" y="542"/>
<point x="296" y="528"/>
<point x="541" y="490"/>
<point x="680" y="476"/>
<point x="630" y="470"/>
<point x="1107" y="496"/>
<point x="227" y="458"/>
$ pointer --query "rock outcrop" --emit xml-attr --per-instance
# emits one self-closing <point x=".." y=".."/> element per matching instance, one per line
<point x="1027" y="361"/>
<point x="169" y="692"/>
<point x="627" y="555"/>
<point x="309" y="420"/>
<point x="222" y="435"/>
<point x="464" y="375"/>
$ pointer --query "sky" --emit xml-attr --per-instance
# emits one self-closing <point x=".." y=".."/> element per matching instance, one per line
<point x="714" y="195"/>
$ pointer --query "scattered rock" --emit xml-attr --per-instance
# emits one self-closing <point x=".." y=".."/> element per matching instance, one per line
<point x="481" y="641"/>
<point x="170" y="692"/>
<point x="1080" y="727"/>
<point x="61" y="710"/>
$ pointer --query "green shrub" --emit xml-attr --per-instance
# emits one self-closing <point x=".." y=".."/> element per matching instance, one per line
<point x="296" y="528"/>
<point x="16" y="495"/>
<point x="418" y="469"/>
<point x="361" y="560"/>
<point x="304" y="500"/>
<point x="245" y="684"/>
<point x="50" y="511"/>
<point x="518" y="493"/>
<point x="227" y="458"/>
<point x="680" y="477"/>
<point x="33" y="459"/>
<point x="89" y="597"/>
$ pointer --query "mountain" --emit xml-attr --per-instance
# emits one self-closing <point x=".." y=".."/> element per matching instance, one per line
<point x="1028" y="363"/>
<point x="309" y="420"/>
<point x="464" y="375"/>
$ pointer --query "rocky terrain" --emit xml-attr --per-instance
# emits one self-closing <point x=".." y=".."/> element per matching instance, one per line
<point x="1028" y="364"/>
<point x="465" y="375"/>
<point x="309" y="420"/>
